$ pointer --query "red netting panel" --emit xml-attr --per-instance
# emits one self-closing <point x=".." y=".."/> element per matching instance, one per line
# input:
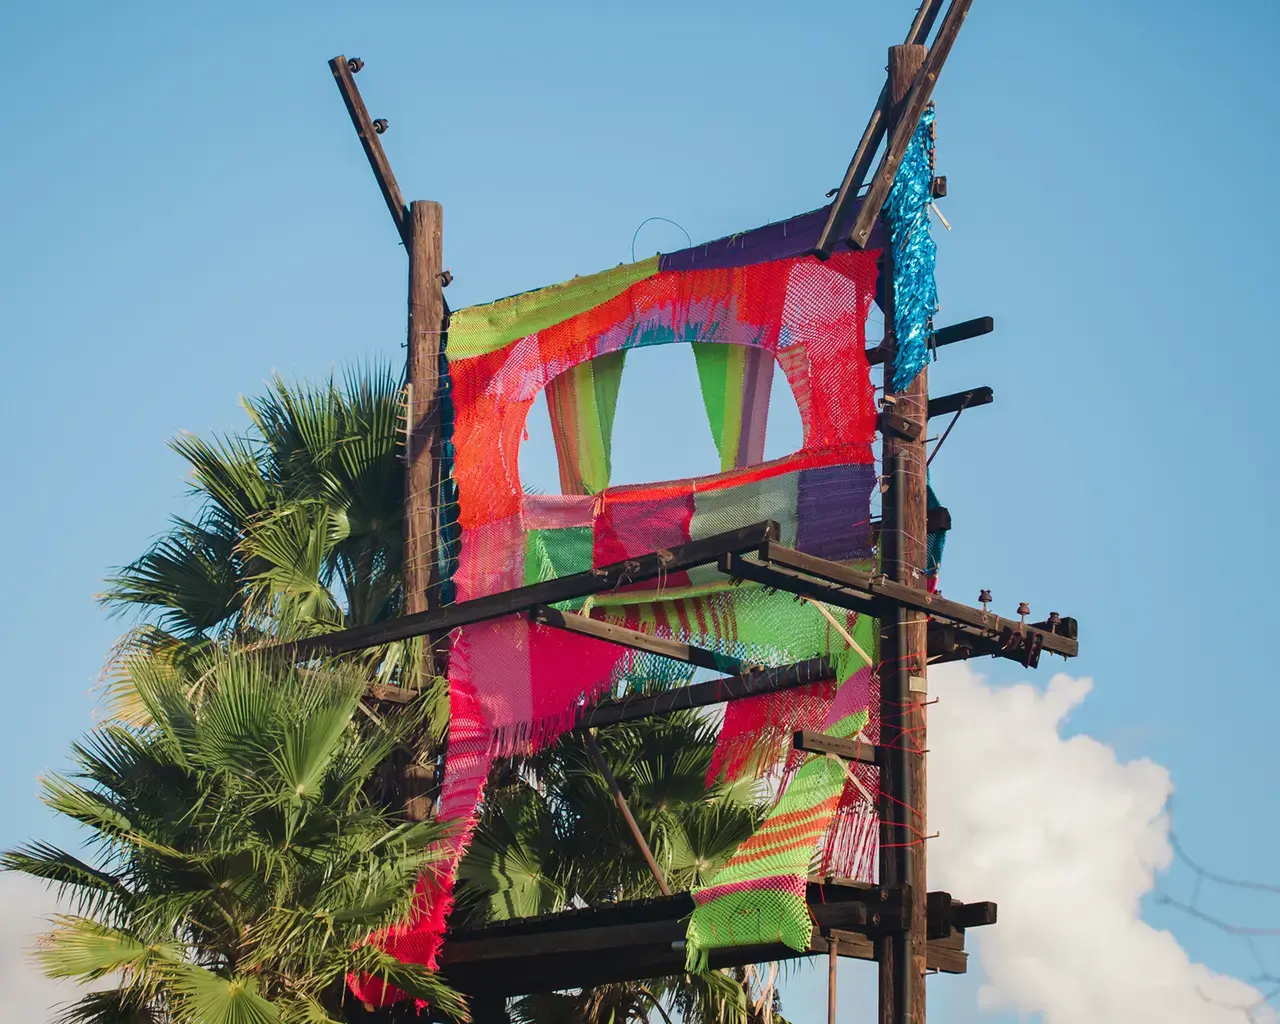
<point x="757" y="731"/>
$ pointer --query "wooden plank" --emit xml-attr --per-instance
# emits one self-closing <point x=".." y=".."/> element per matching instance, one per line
<point x="564" y="588"/>
<point x="378" y="161"/>
<point x="646" y="939"/>
<point x="907" y="117"/>
<point x="715" y="691"/>
<point x="947" y="641"/>
<point x="970" y="399"/>
<point x="571" y="622"/>
<point x="792" y="582"/>
<point x="860" y="163"/>
<point x="900" y="426"/>
<point x="392" y="694"/>
<point x="974" y="915"/>
<point x="864" y="586"/>
<point x="962" y="331"/>
<point x="941" y="958"/>
<point x="850" y="749"/>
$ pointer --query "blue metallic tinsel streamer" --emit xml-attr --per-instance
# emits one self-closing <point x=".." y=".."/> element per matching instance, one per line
<point x="915" y="255"/>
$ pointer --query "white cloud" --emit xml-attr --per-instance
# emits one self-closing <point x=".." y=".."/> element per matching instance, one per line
<point x="25" y="908"/>
<point x="1066" y="839"/>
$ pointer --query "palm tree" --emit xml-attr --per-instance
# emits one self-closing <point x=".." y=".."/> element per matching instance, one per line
<point x="240" y="864"/>
<point x="300" y="529"/>
<point x="300" y="524"/>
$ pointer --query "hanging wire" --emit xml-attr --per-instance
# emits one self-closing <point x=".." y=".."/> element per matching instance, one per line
<point x="665" y="220"/>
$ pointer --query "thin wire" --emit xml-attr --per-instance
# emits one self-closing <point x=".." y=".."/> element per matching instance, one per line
<point x="665" y="220"/>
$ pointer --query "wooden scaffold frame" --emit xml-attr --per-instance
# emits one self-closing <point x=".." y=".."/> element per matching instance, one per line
<point x="898" y="923"/>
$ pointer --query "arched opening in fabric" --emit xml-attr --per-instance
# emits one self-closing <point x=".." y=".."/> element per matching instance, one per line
<point x="811" y="314"/>
<point x="678" y="410"/>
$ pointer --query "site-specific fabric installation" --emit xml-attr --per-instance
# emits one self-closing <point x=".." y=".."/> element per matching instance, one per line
<point x="915" y="254"/>
<point x="746" y="304"/>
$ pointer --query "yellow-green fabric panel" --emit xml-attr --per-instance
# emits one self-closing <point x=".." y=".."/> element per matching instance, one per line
<point x="478" y="330"/>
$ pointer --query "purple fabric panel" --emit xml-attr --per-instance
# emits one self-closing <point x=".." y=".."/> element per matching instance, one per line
<point x="834" y="511"/>
<point x="757" y="382"/>
<point x="794" y="237"/>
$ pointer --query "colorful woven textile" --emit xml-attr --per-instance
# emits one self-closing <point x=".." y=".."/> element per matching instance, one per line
<point x="759" y="896"/>
<point x="735" y="381"/>
<point x="744" y="303"/>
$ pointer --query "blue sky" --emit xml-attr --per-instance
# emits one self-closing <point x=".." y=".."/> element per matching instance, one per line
<point x="186" y="209"/>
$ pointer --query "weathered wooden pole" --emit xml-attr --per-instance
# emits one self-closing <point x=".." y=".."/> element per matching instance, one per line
<point x="903" y="644"/>
<point x="833" y="955"/>
<point x="422" y="441"/>
<point x="423" y="467"/>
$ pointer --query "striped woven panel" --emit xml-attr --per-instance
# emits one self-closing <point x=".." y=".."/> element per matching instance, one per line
<point x="759" y="895"/>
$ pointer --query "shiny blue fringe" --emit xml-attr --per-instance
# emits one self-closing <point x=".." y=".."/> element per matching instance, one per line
<point x="915" y="255"/>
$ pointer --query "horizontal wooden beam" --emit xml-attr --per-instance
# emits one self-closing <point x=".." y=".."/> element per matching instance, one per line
<point x="776" y="578"/>
<point x="939" y="956"/>
<point x="523" y="599"/>
<point x="341" y="68"/>
<point x="863" y="586"/>
<point x="849" y="749"/>
<point x="950" y="642"/>
<point x="960" y="401"/>
<point x="962" y="331"/>
<point x="646" y="938"/>
<point x="582" y="625"/>
<point x="715" y="691"/>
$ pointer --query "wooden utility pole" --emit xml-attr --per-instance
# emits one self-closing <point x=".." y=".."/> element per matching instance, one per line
<point x="420" y="228"/>
<point x="423" y="465"/>
<point x="422" y="440"/>
<point x="903" y="639"/>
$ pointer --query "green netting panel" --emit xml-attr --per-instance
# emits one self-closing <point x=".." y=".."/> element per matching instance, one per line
<point x="735" y="382"/>
<point x="581" y="403"/>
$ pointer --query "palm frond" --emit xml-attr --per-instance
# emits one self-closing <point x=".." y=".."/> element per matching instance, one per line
<point x="204" y="997"/>
<point x="79" y="947"/>
<point x="112" y="1006"/>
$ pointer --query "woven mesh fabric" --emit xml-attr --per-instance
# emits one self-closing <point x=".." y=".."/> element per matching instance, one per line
<point x="735" y="381"/>
<point x="935" y="544"/>
<point x="582" y="402"/>
<point x="758" y="896"/>
<point x="515" y="685"/>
